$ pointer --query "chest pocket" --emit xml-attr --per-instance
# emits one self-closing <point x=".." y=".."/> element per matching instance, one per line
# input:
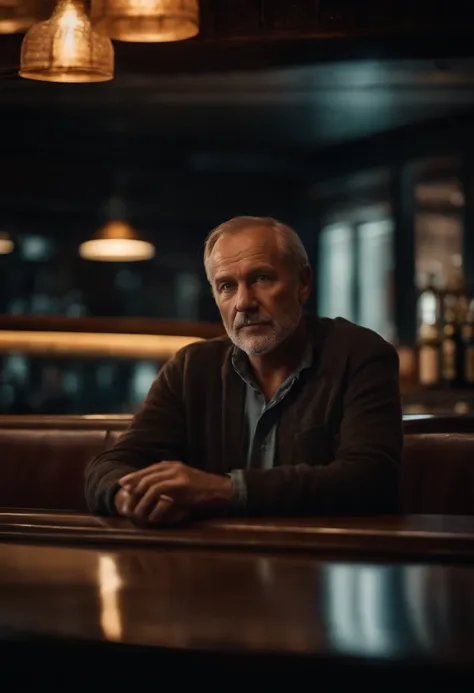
<point x="313" y="446"/>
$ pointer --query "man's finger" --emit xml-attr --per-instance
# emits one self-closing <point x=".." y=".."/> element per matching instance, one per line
<point x="126" y="503"/>
<point x="147" y="501"/>
<point x="174" y="516"/>
<point x="161" y="477"/>
<point x="134" y="478"/>
<point x="164" y="506"/>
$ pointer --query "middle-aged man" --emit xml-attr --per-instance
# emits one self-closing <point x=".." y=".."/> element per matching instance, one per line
<point x="289" y="414"/>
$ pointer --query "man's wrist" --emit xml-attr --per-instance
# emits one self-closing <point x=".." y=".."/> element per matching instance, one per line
<point x="224" y="490"/>
<point x="239" y="489"/>
<point x="110" y="498"/>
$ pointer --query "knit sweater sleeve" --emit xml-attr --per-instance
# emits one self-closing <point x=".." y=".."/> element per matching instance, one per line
<point x="157" y="433"/>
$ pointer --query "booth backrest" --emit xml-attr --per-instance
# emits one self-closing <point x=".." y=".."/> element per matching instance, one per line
<point x="438" y="423"/>
<point x="42" y="463"/>
<point x="43" y="458"/>
<point x="437" y="474"/>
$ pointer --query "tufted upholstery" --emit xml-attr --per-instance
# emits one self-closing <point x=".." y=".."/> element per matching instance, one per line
<point x="42" y="462"/>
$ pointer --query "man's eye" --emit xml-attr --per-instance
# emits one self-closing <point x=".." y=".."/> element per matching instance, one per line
<point x="225" y="287"/>
<point x="263" y="278"/>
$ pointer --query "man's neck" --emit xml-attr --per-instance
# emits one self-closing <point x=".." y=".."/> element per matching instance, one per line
<point x="272" y="369"/>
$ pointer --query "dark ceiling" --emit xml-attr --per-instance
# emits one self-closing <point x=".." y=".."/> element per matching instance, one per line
<point x="181" y="139"/>
<point x="286" y="108"/>
<point x="249" y="117"/>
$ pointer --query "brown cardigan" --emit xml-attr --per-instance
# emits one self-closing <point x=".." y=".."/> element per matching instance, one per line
<point x="339" y="440"/>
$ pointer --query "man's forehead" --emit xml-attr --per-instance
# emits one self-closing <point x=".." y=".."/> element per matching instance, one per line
<point x="252" y="243"/>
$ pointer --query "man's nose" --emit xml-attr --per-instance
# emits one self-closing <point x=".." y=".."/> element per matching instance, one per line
<point x="245" y="299"/>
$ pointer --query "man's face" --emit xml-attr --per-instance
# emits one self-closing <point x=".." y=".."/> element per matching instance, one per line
<point x="258" y="296"/>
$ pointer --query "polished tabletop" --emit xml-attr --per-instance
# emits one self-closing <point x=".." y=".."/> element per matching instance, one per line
<point x="240" y="588"/>
<point x="411" y="537"/>
<point x="239" y="602"/>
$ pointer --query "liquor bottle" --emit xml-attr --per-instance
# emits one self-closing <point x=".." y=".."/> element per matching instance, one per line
<point x="455" y="295"/>
<point x="452" y="346"/>
<point x="430" y="298"/>
<point x="452" y="356"/>
<point x="467" y="333"/>
<point x="429" y="316"/>
<point x="429" y="356"/>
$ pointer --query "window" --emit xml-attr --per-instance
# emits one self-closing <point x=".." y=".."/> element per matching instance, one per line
<point x="375" y="277"/>
<point x="356" y="274"/>
<point x="336" y="272"/>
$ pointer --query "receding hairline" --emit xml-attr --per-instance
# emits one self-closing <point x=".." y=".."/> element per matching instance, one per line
<point x="289" y="242"/>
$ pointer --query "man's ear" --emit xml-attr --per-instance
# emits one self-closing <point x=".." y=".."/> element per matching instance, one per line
<point x="305" y="285"/>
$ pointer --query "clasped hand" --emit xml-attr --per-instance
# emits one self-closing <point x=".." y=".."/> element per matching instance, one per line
<point x="167" y="492"/>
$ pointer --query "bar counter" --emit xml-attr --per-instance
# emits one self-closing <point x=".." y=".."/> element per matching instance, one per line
<point x="374" y="597"/>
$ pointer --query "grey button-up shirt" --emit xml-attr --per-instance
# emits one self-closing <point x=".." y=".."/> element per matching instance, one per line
<point x="262" y="418"/>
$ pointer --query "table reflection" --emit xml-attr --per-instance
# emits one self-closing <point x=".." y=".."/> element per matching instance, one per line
<point x="196" y="599"/>
<point x="387" y="611"/>
<point x="239" y="601"/>
<point x="110" y="584"/>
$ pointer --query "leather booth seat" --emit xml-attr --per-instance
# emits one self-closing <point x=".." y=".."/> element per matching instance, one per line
<point x="42" y="460"/>
<point x="437" y="475"/>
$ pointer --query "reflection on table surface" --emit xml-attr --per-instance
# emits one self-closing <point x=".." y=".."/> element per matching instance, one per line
<point x="220" y="601"/>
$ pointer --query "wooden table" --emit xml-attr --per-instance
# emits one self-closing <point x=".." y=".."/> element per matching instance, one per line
<point x="430" y="537"/>
<point x="187" y="603"/>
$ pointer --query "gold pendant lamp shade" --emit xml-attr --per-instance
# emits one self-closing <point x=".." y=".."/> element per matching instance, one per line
<point x="66" y="49"/>
<point x="146" y="21"/>
<point x="117" y="242"/>
<point x="6" y="244"/>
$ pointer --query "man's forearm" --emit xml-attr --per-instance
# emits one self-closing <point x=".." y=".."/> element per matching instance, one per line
<point x="131" y="453"/>
<point x="101" y="485"/>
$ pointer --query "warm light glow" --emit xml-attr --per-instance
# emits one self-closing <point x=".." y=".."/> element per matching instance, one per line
<point x="65" y="49"/>
<point x="116" y="250"/>
<point x="117" y="241"/>
<point x="16" y="16"/>
<point x="115" y="345"/>
<point x="69" y="19"/>
<point x="146" y="20"/>
<point x="6" y="244"/>
<point x="66" y="45"/>
<point x="441" y="193"/>
<point x="110" y="584"/>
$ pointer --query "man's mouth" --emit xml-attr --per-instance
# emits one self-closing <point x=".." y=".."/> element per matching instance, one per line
<point x="254" y="324"/>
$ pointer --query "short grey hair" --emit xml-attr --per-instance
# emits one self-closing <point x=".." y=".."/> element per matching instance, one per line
<point x="289" y="241"/>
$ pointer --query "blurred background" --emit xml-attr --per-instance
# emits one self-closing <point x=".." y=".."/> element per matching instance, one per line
<point x="353" y="123"/>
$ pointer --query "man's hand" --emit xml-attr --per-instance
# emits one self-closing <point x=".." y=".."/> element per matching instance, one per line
<point x="166" y="510"/>
<point x="160" y="492"/>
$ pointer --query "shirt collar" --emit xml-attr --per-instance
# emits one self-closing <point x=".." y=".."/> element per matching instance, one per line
<point x="241" y="364"/>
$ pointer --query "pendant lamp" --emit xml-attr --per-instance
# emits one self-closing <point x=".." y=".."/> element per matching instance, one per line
<point x="66" y="49"/>
<point x="117" y="241"/>
<point x="146" y="21"/>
